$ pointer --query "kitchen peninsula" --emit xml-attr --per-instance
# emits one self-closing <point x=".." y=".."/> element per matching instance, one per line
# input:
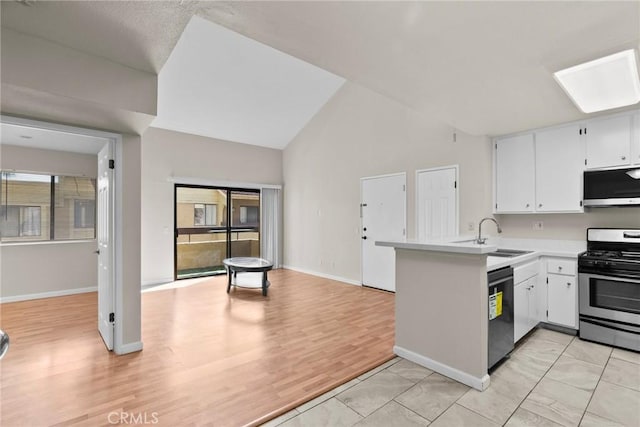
<point x="442" y="308"/>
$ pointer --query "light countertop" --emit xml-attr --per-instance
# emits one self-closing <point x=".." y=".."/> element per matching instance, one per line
<point x="461" y="245"/>
<point x="467" y="245"/>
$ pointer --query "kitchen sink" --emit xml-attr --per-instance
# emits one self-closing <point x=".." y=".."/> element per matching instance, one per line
<point x="508" y="253"/>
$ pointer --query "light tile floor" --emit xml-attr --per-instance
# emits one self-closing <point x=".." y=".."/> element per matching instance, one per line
<point x="551" y="379"/>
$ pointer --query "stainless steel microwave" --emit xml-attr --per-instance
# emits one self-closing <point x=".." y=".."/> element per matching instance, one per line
<point x="614" y="187"/>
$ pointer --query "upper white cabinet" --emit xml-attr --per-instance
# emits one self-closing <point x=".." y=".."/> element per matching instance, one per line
<point x="608" y="141"/>
<point x="541" y="171"/>
<point x="559" y="154"/>
<point x="515" y="179"/>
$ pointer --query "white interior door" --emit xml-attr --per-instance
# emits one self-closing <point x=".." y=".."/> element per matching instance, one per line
<point x="437" y="203"/>
<point x="383" y="202"/>
<point x="105" y="250"/>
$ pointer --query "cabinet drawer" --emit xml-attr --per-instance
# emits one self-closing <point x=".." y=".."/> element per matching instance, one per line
<point x="558" y="266"/>
<point x="524" y="272"/>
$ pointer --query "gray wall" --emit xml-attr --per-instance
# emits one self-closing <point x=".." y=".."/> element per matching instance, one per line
<point x="49" y="267"/>
<point x="360" y="133"/>
<point x="167" y="154"/>
<point x="46" y="81"/>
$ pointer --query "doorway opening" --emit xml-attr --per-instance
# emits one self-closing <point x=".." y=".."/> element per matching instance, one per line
<point x="211" y="224"/>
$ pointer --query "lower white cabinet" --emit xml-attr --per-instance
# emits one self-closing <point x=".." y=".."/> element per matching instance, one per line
<point x="562" y="293"/>
<point x="525" y="307"/>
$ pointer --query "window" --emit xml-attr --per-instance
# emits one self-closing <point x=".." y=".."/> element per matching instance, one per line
<point x="84" y="213"/>
<point x="205" y="214"/>
<point x="75" y="207"/>
<point x="20" y="221"/>
<point x="249" y="215"/>
<point x="45" y="207"/>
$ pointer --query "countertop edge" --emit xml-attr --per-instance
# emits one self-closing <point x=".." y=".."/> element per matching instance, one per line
<point x="459" y="248"/>
<point x="534" y="255"/>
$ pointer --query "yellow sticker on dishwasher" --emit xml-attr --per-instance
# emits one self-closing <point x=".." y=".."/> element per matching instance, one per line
<point x="495" y="305"/>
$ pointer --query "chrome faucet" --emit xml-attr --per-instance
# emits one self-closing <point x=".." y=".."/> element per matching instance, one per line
<point x="481" y="240"/>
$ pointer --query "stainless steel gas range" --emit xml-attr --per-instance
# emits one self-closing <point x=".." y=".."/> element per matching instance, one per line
<point x="609" y="287"/>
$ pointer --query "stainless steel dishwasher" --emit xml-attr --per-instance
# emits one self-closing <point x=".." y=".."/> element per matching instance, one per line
<point x="500" y="314"/>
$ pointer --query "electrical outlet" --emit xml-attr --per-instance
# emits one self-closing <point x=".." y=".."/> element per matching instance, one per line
<point x="471" y="226"/>
<point x="538" y="225"/>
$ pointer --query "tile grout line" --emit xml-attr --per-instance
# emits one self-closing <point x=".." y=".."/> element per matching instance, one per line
<point x="406" y="407"/>
<point x="594" y="389"/>
<point x="538" y="382"/>
<point x="394" y="397"/>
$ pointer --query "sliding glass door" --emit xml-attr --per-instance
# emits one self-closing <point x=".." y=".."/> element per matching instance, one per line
<point x="211" y="224"/>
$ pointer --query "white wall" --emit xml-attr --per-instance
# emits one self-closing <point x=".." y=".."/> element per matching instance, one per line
<point x="51" y="268"/>
<point x="360" y="133"/>
<point x="167" y="154"/>
<point x="569" y="226"/>
<point x="131" y="208"/>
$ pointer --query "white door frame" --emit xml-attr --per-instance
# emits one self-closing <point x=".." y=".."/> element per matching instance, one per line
<point x="417" y="193"/>
<point x="404" y="225"/>
<point x="116" y="140"/>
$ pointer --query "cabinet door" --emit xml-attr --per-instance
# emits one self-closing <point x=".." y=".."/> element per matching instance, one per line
<point x="534" y="309"/>
<point x="635" y="143"/>
<point x="559" y="167"/>
<point x="561" y="300"/>
<point x="520" y="310"/>
<point x="515" y="177"/>
<point x="608" y="141"/>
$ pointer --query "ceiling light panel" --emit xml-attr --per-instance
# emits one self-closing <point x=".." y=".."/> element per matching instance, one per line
<point x="602" y="84"/>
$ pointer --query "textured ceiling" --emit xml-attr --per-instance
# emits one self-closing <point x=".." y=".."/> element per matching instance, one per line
<point x="139" y="34"/>
<point x="483" y="67"/>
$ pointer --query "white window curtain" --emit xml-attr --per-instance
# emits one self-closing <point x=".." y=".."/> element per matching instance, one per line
<point x="270" y="225"/>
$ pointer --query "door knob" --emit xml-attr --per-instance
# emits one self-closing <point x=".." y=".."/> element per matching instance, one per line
<point x="364" y="237"/>
<point x="624" y="158"/>
<point x="97" y="252"/>
<point x="364" y="229"/>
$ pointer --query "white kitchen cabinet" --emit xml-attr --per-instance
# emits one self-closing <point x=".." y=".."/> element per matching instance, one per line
<point x="559" y="154"/>
<point x="635" y="143"/>
<point x="525" y="307"/>
<point x="608" y="141"/>
<point x="515" y="174"/>
<point x="562" y="293"/>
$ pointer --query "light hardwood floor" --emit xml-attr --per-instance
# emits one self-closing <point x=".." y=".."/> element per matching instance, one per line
<point x="209" y="358"/>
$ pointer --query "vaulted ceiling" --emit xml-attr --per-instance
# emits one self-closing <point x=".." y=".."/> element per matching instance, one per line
<point x="483" y="67"/>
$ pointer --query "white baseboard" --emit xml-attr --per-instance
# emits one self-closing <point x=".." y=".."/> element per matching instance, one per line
<point x="50" y="294"/>
<point x="155" y="282"/>
<point x="131" y="347"/>
<point x="446" y="370"/>
<point x="323" y="275"/>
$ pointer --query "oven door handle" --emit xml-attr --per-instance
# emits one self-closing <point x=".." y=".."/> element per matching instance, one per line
<point x="631" y="235"/>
